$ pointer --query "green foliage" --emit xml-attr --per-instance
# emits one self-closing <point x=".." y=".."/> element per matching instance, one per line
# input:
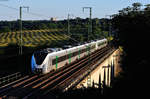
<point x="110" y="38"/>
<point x="130" y="23"/>
<point x="77" y="26"/>
<point x="136" y="6"/>
<point x="2" y="51"/>
<point x="43" y="26"/>
<point x="133" y="25"/>
<point x="5" y="29"/>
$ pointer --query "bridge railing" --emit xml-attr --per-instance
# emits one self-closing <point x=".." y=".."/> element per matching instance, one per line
<point x="76" y="80"/>
<point x="9" y="78"/>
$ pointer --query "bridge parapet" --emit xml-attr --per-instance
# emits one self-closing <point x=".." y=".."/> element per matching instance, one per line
<point x="102" y="71"/>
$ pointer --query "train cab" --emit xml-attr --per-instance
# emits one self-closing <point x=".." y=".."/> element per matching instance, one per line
<point x="37" y="61"/>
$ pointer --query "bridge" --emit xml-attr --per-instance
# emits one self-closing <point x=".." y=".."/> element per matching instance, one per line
<point x="98" y="67"/>
<point x="103" y="71"/>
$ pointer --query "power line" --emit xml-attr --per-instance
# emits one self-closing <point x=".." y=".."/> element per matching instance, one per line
<point x="36" y="14"/>
<point x="72" y="39"/>
<point x="9" y="7"/>
<point x="31" y="13"/>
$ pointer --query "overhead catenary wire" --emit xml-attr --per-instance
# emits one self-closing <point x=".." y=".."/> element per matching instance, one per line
<point x="39" y="15"/>
<point x="31" y="13"/>
<point x="72" y="38"/>
<point x="3" y="5"/>
<point x="35" y="14"/>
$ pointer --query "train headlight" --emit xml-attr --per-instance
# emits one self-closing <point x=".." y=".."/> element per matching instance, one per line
<point x="38" y="70"/>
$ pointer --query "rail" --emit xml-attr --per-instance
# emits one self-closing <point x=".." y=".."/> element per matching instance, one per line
<point x="76" y="80"/>
<point x="9" y="78"/>
<point x="39" y="85"/>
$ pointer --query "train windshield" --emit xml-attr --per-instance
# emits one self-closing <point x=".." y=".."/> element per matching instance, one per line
<point x="40" y="56"/>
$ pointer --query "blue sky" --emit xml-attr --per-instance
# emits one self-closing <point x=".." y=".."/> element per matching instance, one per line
<point x="45" y="9"/>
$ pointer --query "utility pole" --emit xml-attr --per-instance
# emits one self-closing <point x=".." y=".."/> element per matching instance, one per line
<point x="88" y="47"/>
<point x="20" y="14"/>
<point x="69" y="24"/>
<point x="69" y="15"/>
<point x="109" y="34"/>
<point x="90" y="21"/>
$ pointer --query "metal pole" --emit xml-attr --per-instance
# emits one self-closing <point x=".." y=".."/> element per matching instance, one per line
<point x="88" y="47"/>
<point x="68" y="24"/>
<point x="90" y="21"/>
<point x="20" y="49"/>
<point x="110" y="25"/>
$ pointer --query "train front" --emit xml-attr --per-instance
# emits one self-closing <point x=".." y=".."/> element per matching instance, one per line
<point x="37" y="62"/>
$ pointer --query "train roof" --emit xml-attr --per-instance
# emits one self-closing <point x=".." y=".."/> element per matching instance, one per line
<point x="48" y="50"/>
<point x="66" y="48"/>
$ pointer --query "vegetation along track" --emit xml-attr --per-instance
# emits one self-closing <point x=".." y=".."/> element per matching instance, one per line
<point x="29" y="86"/>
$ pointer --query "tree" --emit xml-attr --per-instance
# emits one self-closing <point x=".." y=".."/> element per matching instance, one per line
<point x="81" y="37"/>
<point x="43" y="26"/>
<point x="136" y="6"/>
<point x="147" y="7"/>
<point x="5" y="29"/>
<point x="97" y="32"/>
<point x="96" y="21"/>
<point x="133" y="34"/>
<point x="78" y="19"/>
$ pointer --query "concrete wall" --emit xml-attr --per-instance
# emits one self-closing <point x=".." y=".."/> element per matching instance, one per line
<point x="103" y="71"/>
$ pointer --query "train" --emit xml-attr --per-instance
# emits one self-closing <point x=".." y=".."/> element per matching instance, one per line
<point x="46" y="60"/>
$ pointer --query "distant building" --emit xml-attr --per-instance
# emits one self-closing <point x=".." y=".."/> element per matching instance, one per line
<point x="53" y="19"/>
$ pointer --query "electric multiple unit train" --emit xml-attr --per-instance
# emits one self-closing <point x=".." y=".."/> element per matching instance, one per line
<point x="44" y="61"/>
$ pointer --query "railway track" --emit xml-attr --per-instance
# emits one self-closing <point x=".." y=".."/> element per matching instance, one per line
<point x="31" y="87"/>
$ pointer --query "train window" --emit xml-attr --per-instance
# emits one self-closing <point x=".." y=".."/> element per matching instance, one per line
<point x="60" y="59"/>
<point x="74" y="54"/>
<point x="53" y="61"/>
<point x="88" y="48"/>
<point x="101" y="43"/>
<point x="93" y="46"/>
<point x="40" y="56"/>
<point x="83" y="50"/>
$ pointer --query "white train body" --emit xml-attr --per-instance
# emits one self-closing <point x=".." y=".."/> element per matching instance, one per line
<point x="51" y="59"/>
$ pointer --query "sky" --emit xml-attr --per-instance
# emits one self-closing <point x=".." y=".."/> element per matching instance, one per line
<point x="45" y="9"/>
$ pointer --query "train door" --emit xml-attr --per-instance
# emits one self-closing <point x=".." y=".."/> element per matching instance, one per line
<point x="49" y="64"/>
<point x="79" y="51"/>
<point x="69" y="55"/>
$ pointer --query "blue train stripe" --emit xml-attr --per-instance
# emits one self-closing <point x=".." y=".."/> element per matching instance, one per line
<point x="33" y="63"/>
